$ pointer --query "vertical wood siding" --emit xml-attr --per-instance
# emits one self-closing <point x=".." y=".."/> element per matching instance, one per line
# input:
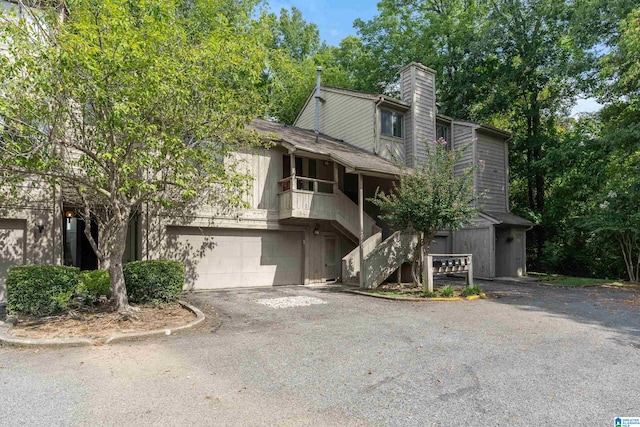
<point x="265" y="166"/>
<point x="407" y="96"/>
<point x="342" y="116"/>
<point x="492" y="178"/>
<point x="424" y="112"/>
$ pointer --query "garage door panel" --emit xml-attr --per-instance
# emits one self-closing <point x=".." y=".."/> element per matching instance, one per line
<point x="236" y="258"/>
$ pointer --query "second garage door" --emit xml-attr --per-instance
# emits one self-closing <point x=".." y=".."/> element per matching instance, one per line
<point x="224" y="258"/>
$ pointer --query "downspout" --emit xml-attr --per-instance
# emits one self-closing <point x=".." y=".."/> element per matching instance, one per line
<point x="362" y="282"/>
<point x="376" y="125"/>
<point x="317" y="128"/>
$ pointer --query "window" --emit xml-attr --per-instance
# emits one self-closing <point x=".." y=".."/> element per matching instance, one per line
<point x="442" y="131"/>
<point x="391" y="123"/>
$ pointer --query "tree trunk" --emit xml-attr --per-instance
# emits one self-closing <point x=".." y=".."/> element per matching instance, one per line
<point x="114" y="250"/>
<point x="416" y="267"/>
<point x="628" y="245"/>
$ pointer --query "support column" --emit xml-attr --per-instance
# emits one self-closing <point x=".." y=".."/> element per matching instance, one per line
<point x="361" y="234"/>
<point x="292" y="161"/>
<point x="336" y="177"/>
<point x="470" y="272"/>
<point x="428" y="271"/>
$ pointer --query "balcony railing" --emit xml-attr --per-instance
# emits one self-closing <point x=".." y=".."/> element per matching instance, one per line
<point x="313" y="198"/>
<point x="306" y="184"/>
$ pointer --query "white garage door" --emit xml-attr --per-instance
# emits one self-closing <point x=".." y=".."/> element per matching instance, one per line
<point x="12" y="245"/>
<point x="224" y="258"/>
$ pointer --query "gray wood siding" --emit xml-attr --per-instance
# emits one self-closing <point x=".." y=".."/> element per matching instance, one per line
<point x="265" y="166"/>
<point x="342" y="116"/>
<point x="463" y="136"/>
<point x="424" y="112"/>
<point x="407" y="96"/>
<point x="479" y="242"/>
<point x="492" y="177"/>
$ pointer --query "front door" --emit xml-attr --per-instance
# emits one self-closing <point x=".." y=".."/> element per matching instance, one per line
<point x="330" y="258"/>
<point x="77" y="249"/>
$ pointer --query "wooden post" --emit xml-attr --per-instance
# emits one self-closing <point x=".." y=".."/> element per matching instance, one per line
<point x="336" y="176"/>
<point x="428" y="273"/>
<point x="292" y="160"/>
<point x="399" y="275"/>
<point x="470" y="272"/>
<point x="361" y="234"/>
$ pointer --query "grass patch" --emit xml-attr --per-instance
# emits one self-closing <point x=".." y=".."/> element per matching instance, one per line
<point x="561" y="280"/>
<point x="473" y="290"/>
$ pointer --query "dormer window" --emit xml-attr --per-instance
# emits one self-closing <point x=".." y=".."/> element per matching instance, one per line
<point x="391" y="123"/>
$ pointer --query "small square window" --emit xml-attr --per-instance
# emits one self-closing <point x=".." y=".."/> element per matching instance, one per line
<point x="442" y="131"/>
<point x="391" y="123"/>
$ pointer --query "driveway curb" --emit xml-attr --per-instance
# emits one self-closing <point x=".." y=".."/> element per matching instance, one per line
<point x="391" y="297"/>
<point x="7" y="339"/>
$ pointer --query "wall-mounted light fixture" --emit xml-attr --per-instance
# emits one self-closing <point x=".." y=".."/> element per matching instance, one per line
<point x="316" y="230"/>
<point x="40" y="225"/>
<point x="69" y="214"/>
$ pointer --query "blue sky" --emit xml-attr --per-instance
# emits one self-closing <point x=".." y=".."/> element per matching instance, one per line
<point x="334" y="19"/>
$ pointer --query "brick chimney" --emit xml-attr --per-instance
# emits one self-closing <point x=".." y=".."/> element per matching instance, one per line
<point x="418" y="88"/>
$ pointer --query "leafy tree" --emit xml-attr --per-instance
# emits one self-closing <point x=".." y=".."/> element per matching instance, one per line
<point x="515" y="64"/>
<point x="126" y="103"/>
<point x="293" y="35"/>
<point x="615" y="208"/>
<point x="296" y="51"/>
<point x="429" y="198"/>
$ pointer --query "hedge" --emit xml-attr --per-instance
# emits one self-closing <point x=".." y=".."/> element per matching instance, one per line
<point x="41" y="290"/>
<point x="154" y="281"/>
<point x="93" y="284"/>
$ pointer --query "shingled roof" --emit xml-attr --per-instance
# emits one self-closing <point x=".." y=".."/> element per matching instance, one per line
<point x="507" y="218"/>
<point x="302" y="140"/>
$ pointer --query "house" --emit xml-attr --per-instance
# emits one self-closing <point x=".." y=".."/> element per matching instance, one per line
<point x="308" y="219"/>
<point x="397" y="129"/>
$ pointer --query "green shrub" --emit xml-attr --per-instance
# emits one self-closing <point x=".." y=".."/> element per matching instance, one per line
<point x="154" y="281"/>
<point x="446" y="291"/>
<point x="41" y="290"/>
<point x="429" y="294"/>
<point x="92" y="285"/>
<point x="471" y="290"/>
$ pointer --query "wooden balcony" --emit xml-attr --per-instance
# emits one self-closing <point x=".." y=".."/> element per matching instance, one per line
<point x="310" y="198"/>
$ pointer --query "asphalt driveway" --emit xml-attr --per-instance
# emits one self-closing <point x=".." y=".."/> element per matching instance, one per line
<point x="529" y="355"/>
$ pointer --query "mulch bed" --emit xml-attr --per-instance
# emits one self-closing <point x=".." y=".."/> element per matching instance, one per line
<point x="102" y="322"/>
<point x="411" y="290"/>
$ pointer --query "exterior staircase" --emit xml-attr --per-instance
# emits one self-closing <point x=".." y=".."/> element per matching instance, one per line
<point x="381" y="258"/>
<point x="335" y="207"/>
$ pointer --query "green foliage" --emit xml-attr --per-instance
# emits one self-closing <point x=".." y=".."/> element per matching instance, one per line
<point x="93" y="284"/>
<point x="298" y="39"/>
<point x="431" y="196"/>
<point x="518" y="65"/>
<point x="560" y="280"/>
<point x="295" y="53"/>
<point x="471" y="290"/>
<point x="429" y="294"/>
<point x="446" y="291"/>
<point x="154" y="281"/>
<point x="128" y="103"/>
<point x="41" y="290"/>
